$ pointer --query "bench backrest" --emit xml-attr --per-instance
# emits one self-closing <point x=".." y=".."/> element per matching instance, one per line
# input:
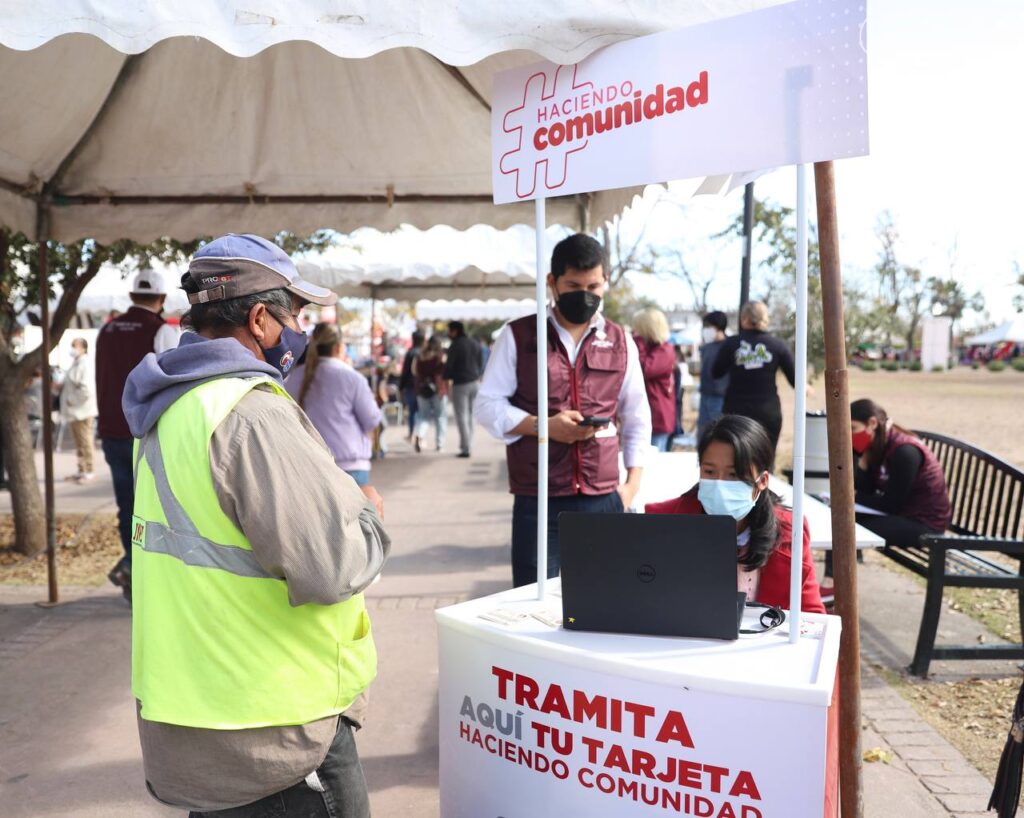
<point x="986" y="492"/>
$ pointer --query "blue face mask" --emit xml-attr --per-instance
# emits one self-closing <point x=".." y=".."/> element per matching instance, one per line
<point x="291" y="348"/>
<point x="731" y="498"/>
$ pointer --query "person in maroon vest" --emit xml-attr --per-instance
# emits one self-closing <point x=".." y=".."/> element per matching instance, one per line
<point x="658" y="364"/>
<point x="593" y="371"/>
<point x="898" y="475"/>
<point x="121" y="344"/>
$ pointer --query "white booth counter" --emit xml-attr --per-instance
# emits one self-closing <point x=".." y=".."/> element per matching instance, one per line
<point x="539" y="721"/>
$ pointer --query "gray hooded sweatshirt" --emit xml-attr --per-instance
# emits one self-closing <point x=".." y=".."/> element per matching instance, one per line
<point x="308" y="523"/>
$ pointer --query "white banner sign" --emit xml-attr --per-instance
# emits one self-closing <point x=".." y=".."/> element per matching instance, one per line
<point x="523" y="737"/>
<point x="782" y="86"/>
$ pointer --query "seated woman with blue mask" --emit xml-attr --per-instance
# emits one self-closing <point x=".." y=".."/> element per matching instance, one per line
<point x="736" y="456"/>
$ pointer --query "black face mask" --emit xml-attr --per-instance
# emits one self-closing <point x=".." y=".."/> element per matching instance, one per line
<point x="578" y="306"/>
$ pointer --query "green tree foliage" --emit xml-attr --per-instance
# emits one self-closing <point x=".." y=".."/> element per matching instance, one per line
<point x="904" y="294"/>
<point x="774" y="281"/>
<point x="626" y="256"/>
<point x="949" y="298"/>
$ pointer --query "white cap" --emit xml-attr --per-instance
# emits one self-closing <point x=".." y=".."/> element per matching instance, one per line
<point x="148" y="282"/>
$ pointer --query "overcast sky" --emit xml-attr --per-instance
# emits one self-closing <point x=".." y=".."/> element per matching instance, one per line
<point x="946" y="97"/>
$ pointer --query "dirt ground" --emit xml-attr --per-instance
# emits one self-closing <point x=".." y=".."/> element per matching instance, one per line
<point x="973" y="714"/>
<point x="977" y="406"/>
<point x="88" y="546"/>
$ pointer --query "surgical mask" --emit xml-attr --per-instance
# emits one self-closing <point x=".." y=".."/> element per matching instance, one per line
<point x="730" y="498"/>
<point x="291" y="348"/>
<point x="708" y="334"/>
<point x="578" y="306"/>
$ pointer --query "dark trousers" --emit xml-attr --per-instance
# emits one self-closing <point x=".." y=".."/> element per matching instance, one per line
<point x="524" y="530"/>
<point x="412" y="406"/>
<point x="118" y="454"/>
<point x="341" y="777"/>
<point x="766" y="411"/>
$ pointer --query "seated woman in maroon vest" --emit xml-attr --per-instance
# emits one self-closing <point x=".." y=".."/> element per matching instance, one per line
<point x="736" y="456"/>
<point x="897" y="475"/>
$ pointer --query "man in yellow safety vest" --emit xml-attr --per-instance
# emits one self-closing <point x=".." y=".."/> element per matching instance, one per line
<point x="251" y="645"/>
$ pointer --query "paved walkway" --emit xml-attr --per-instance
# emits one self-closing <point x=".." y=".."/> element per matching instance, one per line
<point x="68" y="745"/>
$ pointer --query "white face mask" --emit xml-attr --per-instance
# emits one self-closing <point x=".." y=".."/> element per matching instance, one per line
<point x="730" y="498"/>
<point x="708" y="334"/>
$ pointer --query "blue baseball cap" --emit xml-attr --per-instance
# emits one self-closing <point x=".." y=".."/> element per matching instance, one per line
<point x="241" y="264"/>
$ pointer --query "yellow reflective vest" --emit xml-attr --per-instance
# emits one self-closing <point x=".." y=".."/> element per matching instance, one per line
<point x="215" y="642"/>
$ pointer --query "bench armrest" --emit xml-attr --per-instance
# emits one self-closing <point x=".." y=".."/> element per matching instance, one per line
<point x="1005" y="546"/>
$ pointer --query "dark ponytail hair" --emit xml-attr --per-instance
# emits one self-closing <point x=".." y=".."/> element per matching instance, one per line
<point x="752" y="451"/>
<point x="862" y="411"/>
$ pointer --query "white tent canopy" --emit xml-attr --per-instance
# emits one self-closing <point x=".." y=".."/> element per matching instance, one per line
<point x="474" y="310"/>
<point x="109" y="289"/>
<point x="1012" y="331"/>
<point x="440" y="263"/>
<point x="183" y="139"/>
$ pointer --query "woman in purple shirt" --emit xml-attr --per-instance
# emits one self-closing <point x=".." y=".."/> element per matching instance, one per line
<point x="338" y="401"/>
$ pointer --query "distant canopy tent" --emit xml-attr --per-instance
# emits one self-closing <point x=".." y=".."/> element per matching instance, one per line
<point x="1008" y="332"/>
<point x="474" y="310"/>
<point x="111" y="288"/>
<point x="440" y="263"/>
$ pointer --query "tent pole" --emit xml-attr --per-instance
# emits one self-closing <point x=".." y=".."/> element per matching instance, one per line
<point x="53" y="592"/>
<point x="748" y="231"/>
<point x="542" y="405"/>
<point x="840" y="458"/>
<point x="373" y="321"/>
<point x="800" y="408"/>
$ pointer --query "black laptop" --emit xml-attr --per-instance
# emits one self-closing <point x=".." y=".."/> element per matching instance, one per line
<point x="650" y="574"/>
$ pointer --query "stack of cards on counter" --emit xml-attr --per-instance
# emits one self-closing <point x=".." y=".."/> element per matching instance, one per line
<point x="503" y="616"/>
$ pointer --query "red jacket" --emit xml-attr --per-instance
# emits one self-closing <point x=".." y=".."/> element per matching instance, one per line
<point x="658" y="363"/>
<point x="773" y="587"/>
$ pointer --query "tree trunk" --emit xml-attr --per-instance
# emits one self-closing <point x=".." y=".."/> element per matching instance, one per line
<point x="22" y="478"/>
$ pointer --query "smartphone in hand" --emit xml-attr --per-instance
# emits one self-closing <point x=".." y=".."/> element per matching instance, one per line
<point x="594" y="420"/>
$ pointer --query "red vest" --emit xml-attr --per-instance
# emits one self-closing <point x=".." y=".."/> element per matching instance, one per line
<point x="928" y="502"/>
<point x="591" y="387"/>
<point x="658" y="363"/>
<point x="120" y="346"/>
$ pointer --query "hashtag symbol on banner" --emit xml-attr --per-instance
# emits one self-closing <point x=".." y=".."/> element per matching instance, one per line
<point x="525" y="161"/>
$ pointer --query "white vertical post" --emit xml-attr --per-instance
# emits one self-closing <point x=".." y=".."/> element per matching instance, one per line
<point x="542" y="404"/>
<point x="800" y="405"/>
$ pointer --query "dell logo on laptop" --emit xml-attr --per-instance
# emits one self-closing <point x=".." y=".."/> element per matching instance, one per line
<point x="645" y="573"/>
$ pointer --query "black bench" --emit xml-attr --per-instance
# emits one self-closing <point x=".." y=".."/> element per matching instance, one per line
<point x="987" y="497"/>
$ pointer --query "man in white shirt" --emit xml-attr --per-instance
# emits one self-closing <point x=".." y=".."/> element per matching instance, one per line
<point x="596" y="399"/>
